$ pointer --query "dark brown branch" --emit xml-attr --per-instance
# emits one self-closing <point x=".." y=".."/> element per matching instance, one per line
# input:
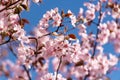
<point x="86" y="76"/>
<point x="35" y="41"/>
<point x="96" y="37"/>
<point x="58" y="67"/>
<point x="8" y="41"/>
<point x="45" y="35"/>
<point x="5" y="42"/>
<point x="95" y="42"/>
<point x="27" y="71"/>
<point x="9" y="5"/>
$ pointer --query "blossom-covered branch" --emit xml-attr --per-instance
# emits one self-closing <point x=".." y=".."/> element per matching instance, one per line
<point x="63" y="46"/>
<point x="7" y="6"/>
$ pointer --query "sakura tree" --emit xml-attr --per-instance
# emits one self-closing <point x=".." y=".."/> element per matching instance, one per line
<point x="61" y="41"/>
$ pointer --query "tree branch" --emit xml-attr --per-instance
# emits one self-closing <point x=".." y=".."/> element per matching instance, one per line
<point x="58" y="67"/>
<point x="95" y="42"/>
<point x="9" y="5"/>
<point x="86" y="76"/>
<point x="35" y="41"/>
<point x="27" y="71"/>
<point x="5" y="42"/>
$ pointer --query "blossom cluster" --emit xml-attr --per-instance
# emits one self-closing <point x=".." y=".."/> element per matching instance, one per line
<point x="77" y="56"/>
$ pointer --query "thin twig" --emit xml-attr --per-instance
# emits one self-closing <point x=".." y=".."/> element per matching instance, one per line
<point x="7" y="41"/>
<point x="27" y="71"/>
<point x="45" y="35"/>
<point x="58" y="67"/>
<point x="95" y="44"/>
<point x="36" y="40"/>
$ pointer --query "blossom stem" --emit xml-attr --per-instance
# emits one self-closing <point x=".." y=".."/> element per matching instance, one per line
<point x="36" y="40"/>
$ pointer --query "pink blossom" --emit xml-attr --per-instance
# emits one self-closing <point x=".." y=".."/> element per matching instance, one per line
<point x="112" y="26"/>
<point x="117" y="47"/>
<point x="103" y="37"/>
<point x="51" y="76"/>
<point x="80" y="71"/>
<point x="90" y="15"/>
<point x="100" y="48"/>
<point x="116" y="12"/>
<point x="20" y="35"/>
<point x="15" y="69"/>
<point x="52" y="14"/>
<point x="44" y="22"/>
<point x="82" y="28"/>
<point x="89" y="5"/>
<point x="36" y="1"/>
<point x="80" y="15"/>
<point x="54" y="11"/>
<point x="1" y="24"/>
<point x="4" y="2"/>
<point x="57" y="20"/>
<point x="48" y="15"/>
<point x="116" y="42"/>
<point x="13" y="18"/>
<point x="113" y="60"/>
<point x="73" y="18"/>
<point x="103" y="26"/>
<point x="97" y="7"/>
<point x="103" y="0"/>
<point x="48" y="50"/>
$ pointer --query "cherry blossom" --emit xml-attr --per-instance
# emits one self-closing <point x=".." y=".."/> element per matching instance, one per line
<point x="103" y="0"/>
<point x="103" y="36"/>
<point x="51" y="76"/>
<point x="52" y="14"/>
<point x="36" y="1"/>
<point x="80" y="15"/>
<point x="52" y="42"/>
<point x="15" y="69"/>
<point x="72" y="17"/>
<point x="1" y="24"/>
<point x="90" y="14"/>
